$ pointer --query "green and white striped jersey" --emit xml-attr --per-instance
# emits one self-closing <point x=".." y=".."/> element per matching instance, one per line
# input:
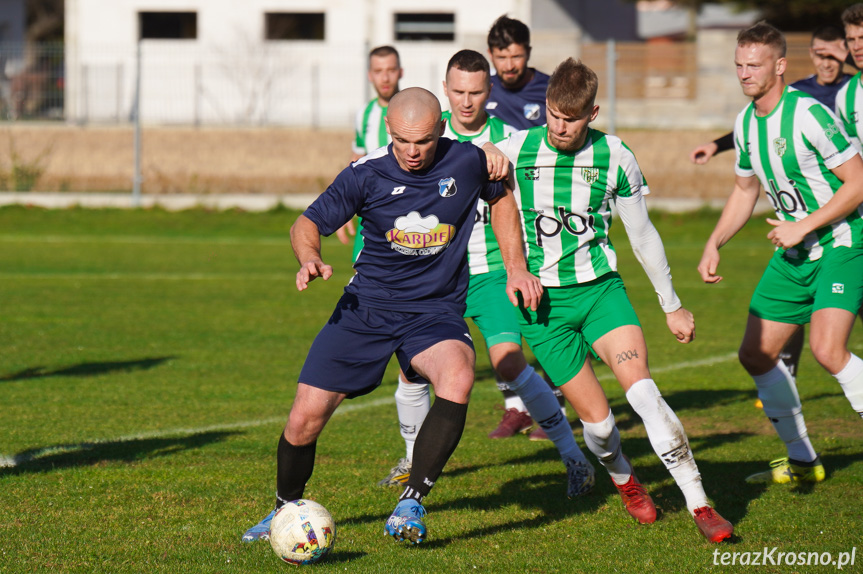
<point x="791" y="151"/>
<point x="565" y="202"/>
<point x="483" y="252"/>
<point x="849" y="102"/>
<point x="370" y="129"/>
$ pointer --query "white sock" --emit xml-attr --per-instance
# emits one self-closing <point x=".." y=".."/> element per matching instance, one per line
<point x="543" y="408"/>
<point x="603" y="440"/>
<point x="781" y="403"/>
<point x="851" y="380"/>
<point x="515" y="402"/>
<point x="668" y="439"/>
<point x="413" y="404"/>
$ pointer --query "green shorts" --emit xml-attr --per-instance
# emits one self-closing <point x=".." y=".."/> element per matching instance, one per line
<point x="570" y="319"/>
<point x="358" y="240"/>
<point x="490" y="309"/>
<point x="790" y="291"/>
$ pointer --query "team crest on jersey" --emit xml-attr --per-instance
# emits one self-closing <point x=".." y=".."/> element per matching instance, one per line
<point x="779" y="146"/>
<point x="590" y="174"/>
<point x="531" y="111"/>
<point x="414" y="234"/>
<point x="447" y="187"/>
<point x="853" y="117"/>
<point x="531" y="173"/>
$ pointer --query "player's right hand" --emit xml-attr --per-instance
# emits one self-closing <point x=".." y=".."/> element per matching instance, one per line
<point x="521" y="281"/>
<point x="681" y="323"/>
<point x="345" y="231"/>
<point x="709" y="264"/>
<point x="310" y="271"/>
<point x="702" y="154"/>
<point x="498" y="163"/>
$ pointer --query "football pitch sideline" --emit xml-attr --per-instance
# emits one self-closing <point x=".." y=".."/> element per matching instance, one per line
<point x="148" y="361"/>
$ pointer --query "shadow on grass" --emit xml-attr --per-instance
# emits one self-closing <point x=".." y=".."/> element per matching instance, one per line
<point x="90" y="454"/>
<point x="724" y="482"/>
<point x="86" y="369"/>
<point x="344" y="556"/>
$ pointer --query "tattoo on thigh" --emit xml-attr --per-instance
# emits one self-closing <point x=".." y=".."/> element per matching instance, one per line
<point x="626" y="356"/>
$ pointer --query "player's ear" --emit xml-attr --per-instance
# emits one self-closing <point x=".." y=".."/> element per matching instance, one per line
<point x="594" y="112"/>
<point x="781" y="64"/>
<point x="387" y="124"/>
<point x="446" y="95"/>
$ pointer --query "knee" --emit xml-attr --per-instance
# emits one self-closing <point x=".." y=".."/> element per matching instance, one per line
<point x="831" y="357"/>
<point x="302" y="429"/>
<point x="754" y="360"/>
<point x="508" y="361"/>
<point x="511" y="367"/>
<point x="455" y="386"/>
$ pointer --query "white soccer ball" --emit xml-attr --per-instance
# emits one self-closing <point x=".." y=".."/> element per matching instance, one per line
<point x="302" y="532"/>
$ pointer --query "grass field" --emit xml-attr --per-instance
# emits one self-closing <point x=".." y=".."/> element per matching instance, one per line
<point x="148" y="361"/>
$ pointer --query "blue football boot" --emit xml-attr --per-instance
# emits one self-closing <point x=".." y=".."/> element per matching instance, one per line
<point x="405" y="523"/>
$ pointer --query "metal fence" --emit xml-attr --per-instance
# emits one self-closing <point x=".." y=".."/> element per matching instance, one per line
<point x="31" y="81"/>
<point x="294" y="85"/>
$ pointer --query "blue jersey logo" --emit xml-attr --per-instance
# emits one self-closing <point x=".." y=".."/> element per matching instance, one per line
<point x="447" y="187"/>
<point x="531" y="111"/>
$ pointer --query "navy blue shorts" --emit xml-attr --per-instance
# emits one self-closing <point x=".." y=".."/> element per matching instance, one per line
<point x="351" y="352"/>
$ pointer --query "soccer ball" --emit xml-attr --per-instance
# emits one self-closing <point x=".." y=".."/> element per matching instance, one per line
<point x="302" y="532"/>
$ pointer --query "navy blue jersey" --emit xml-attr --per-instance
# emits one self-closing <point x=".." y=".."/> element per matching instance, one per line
<point x="522" y="108"/>
<point x="416" y="226"/>
<point x="824" y="94"/>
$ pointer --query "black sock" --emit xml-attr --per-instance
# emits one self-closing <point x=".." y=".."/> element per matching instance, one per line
<point x="815" y="462"/>
<point x="295" y="465"/>
<point x="436" y="441"/>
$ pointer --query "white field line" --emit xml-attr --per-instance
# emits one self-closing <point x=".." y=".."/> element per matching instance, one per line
<point x="678" y="366"/>
<point x="8" y="461"/>
<point x="143" y="240"/>
<point x="113" y="276"/>
<point x="28" y="456"/>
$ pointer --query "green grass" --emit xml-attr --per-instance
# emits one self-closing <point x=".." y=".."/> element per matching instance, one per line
<point x="148" y="361"/>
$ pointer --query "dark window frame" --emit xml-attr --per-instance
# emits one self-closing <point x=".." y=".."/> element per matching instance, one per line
<point x="306" y="27"/>
<point x="424" y="26"/>
<point x="156" y="25"/>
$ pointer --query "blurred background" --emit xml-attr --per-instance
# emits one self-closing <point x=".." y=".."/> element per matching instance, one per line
<point x="260" y="95"/>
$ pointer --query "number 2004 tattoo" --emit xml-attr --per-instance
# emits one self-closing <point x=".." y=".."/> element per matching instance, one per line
<point x="626" y="356"/>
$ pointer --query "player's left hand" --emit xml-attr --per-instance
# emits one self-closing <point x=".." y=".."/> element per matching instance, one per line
<point x="785" y="234"/>
<point x="346" y="231"/>
<point x="681" y="323"/>
<point x="498" y="163"/>
<point x="522" y="281"/>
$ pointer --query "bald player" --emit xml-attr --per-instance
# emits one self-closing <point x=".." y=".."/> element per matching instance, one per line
<point x="417" y="197"/>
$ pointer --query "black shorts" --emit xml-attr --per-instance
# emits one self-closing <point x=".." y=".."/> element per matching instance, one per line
<point x="351" y="352"/>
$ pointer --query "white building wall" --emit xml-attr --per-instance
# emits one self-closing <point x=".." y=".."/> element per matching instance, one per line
<point x="230" y="74"/>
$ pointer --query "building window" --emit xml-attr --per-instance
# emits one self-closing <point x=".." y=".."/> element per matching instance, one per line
<point x="169" y="25"/>
<point x="423" y="26"/>
<point x="294" y="26"/>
